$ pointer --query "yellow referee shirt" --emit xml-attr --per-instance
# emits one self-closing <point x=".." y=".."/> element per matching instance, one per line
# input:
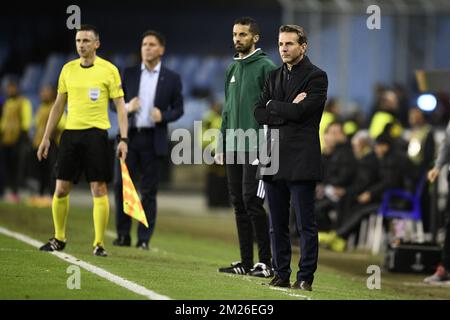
<point x="88" y="92"/>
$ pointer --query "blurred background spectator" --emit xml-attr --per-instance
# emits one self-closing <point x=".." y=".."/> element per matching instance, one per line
<point x="339" y="170"/>
<point x="216" y="187"/>
<point x="14" y="140"/>
<point x="42" y="171"/>
<point x="331" y="113"/>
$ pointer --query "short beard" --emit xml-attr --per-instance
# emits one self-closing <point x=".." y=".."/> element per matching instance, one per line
<point x="244" y="50"/>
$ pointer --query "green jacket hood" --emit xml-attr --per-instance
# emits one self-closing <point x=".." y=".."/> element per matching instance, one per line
<point x="256" y="55"/>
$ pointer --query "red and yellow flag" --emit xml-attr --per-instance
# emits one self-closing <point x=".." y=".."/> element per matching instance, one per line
<point x="131" y="204"/>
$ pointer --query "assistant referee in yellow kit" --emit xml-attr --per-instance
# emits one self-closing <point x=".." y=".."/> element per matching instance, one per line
<point x="86" y="84"/>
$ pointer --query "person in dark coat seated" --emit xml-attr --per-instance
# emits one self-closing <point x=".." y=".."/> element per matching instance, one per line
<point x="339" y="172"/>
<point x="393" y="171"/>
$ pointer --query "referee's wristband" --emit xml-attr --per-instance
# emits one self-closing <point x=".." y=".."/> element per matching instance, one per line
<point x="121" y="139"/>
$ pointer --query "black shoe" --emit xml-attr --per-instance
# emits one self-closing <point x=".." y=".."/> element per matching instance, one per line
<point x="278" y="282"/>
<point x="302" y="285"/>
<point x="53" y="245"/>
<point x="122" y="241"/>
<point x="235" y="268"/>
<point x="100" y="251"/>
<point x="143" y="245"/>
<point x="261" y="270"/>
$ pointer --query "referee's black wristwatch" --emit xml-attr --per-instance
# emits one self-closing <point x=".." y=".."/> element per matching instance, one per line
<point x="121" y="139"/>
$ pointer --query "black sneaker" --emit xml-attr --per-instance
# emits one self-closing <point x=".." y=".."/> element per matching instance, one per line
<point x="100" y="251"/>
<point x="122" y="241"/>
<point x="302" y="285"/>
<point x="236" y="268"/>
<point x="261" y="270"/>
<point x="143" y="245"/>
<point x="53" y="245"/>
<point x="278" y="282"/>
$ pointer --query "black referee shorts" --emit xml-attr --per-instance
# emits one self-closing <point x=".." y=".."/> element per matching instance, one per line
<point x="84" y="151"/>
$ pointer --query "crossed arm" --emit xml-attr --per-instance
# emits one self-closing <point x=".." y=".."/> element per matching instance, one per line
<point x="305" y="104"/>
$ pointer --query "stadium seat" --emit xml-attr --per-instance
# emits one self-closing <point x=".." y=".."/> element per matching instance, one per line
<point x="29" y="83"/>
<point x="72" y="56"/>
<point x="172" y="62"/>
<point x="52" y="69"/>
<point x="194" y="108"/>
<point x="204" y="74"/>
<point x="386" y="212"/>
<point x="122" y="61"/>
<point x="188" y="70"/>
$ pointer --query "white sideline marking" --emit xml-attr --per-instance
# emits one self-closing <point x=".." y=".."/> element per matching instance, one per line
<point x="281" y="290"/>
<point x="110" y="234"/>
<point x="129" y="285"/>
<point x="286" y="291"/>
<point x="445" y="284"/>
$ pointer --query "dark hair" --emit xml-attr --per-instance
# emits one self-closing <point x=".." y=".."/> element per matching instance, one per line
<point x="384" y="138"/>
<point x="89" y="27"/>
<point x="331" y="102"/>
<point x="248" y="21"/>
<point x="11" y="79"/>
<point x="157" y="35"/>
<point x="295" y="29"/>
<point x="334" y="122"/>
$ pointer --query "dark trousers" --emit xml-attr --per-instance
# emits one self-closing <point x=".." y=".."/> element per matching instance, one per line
<point x="425" y="206"/>
<point x="322" y="211"/>
<point x="279" y="194"/>
<point x="142" y="164"/>
<point x="446" y="248"/>
<point x="251" y="218"/>
<point x="13" y="166"/>
<point x="217" y="187"/>
<point x="43" y="170"/>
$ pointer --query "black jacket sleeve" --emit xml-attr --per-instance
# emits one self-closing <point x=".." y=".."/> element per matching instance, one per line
<point x="316" y="91"/>
<point x="366" y="175"/>
<point x="261" y="113"/>
<point x="345" y="168"/>
<point x="398" y="172"/>
<point x="175" y="110"/>
<point x="429" y="153"/>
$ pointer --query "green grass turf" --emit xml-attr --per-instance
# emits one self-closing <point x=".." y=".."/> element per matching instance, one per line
<point x="26" y="273"/>
<point x="182" y="263"/>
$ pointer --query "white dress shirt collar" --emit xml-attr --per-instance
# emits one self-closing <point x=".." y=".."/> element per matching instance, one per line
<point x="156" y="69"/>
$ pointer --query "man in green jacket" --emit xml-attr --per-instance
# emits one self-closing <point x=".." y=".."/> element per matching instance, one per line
<point x="244" y="82"/>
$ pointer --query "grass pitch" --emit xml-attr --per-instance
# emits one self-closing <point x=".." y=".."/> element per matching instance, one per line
<point x="182" y="263"/>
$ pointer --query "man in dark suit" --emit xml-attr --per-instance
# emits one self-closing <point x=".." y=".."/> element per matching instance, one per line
<point x="154" y="99"/>
<point x="292" y="103"/>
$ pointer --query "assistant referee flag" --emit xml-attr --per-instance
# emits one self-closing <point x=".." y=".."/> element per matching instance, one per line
<point x="131" y="203"/>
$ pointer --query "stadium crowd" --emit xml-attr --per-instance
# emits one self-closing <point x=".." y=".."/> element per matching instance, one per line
<point x="361" y="164"/>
